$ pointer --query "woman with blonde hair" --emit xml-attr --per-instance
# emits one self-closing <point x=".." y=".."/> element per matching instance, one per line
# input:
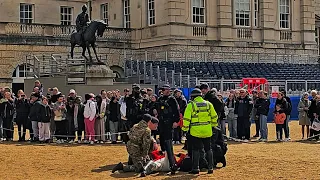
<point x="303" y="108"/>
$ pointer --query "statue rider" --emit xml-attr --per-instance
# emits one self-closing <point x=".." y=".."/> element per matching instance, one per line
<point x="82" y="22"/>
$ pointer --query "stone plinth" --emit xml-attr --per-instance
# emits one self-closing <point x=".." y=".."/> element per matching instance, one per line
<point x="99" y="75"/>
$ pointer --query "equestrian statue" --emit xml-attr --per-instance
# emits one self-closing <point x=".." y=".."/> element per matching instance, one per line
<point x="86" y="34"/>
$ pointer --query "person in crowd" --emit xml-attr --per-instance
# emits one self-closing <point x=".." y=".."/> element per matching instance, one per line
<point x="34" y="115"/>
<point x="90" y="111"/>
<point x="114" y="118"/>
<point x="78" y="118"/>
<point x="279" y="120"/>
<point x="149" y="92"/>
<point x="202" y="113"/>
<point x="52" y="122"/>
<point x="152" y="107"/>
<point x="254" y="117"/>
<point x="222" y="118"/>
<point x="134" y="103"/>
<point x="7" y="111"/>
<point x="231" y="117"/>
<point x="100" y="120"/>
<point x="70" y="114"/>
<point x="39" y="86"/>
<point x="45" y="113"/>
<point x="243" y="109"/>
<point x="22" y="106"/>
<point x="262" y="106"/>
<point x="55" y="94"/>
<point x="316" y="115"/>
<point x="60" y="118"/>
<point x="312" y="113"/>
<point x="303" y="108"/>
<point x="288" y="114"/>
<point x="182" y="102"/>
<point x="124" y="125"/>
<point x="139" y="145"/>
<point x="287" y="109"/>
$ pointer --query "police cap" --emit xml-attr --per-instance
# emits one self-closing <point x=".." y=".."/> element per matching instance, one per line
<point x="135" y="86"/>
<point x="204" y="86"/>
<point x="166" y="87"/>
<point x="196" y="92"/>
<point x="154" y="120"/>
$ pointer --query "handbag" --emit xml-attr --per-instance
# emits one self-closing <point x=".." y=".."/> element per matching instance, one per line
<point x="315" y="125"/>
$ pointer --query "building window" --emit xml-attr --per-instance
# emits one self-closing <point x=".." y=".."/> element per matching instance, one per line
<point x="104" y="12"/>
<point x="151" y="13"/>
<point x="126" y="13"/>
<point x="198" y="10"/>
<point x="284" y="6"/>
<point x="26" y="13"/>
<point x="242" y="12"/>
<point x="256" y="13"/>
<point x="23" y="71"/>
<point x="66" y="16"/>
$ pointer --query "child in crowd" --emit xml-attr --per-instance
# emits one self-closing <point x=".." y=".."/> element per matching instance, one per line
<point x="279" y="118"/>
<point x="89" y="117"/>
<point x="44" y="121"/>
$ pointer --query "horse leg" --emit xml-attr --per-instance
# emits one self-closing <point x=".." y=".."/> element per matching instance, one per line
<point x="95" y="52"/>
<point x="84" y="53"/>
<point x="72" y="49"/>
<point x="88" y="47"/>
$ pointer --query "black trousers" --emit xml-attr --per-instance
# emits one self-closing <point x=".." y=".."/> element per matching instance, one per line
<point x="198" y="145"/>
<point x="257" y="122"/>
<point x="22" y="122"/>
<point x="61" y="129"/>
<point x="8" y="128"/>
<point x="165" y="133"/>
<point x="177" y="134"/>
<point x="279" y="130"/>
<point x="243" y="127"/>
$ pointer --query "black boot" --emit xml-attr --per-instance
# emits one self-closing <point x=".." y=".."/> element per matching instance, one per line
<point x="172" y="161"/>
<point x="118" y="167"/>
<point x="195" y="162"/>
<point x="224" y="162"/>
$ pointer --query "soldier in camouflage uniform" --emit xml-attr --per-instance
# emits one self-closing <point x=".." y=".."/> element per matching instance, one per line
<point x="139" y="145"/>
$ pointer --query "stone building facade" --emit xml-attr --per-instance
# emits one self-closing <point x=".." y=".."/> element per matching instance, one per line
<point x="276" y="27"/>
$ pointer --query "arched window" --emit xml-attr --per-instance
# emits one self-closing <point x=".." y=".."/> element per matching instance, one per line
<point x="23" y="71"/>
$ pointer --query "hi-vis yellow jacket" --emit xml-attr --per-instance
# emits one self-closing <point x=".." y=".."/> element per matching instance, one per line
<point x="199" y="118"/>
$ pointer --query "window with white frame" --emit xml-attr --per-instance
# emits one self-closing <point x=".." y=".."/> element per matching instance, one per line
<point x="256" y="13"/>
<point x="66" y="15"/>
<point x="23" y="70"/>
<point x="126" y="13"/>
<point x="284" y="13"/>
<point x="104" y="12"/>
<point x="198" y="11"/>
<point x="26" y="13"/>
<point x="242" y="12"/>
<point x="151" y="13"/>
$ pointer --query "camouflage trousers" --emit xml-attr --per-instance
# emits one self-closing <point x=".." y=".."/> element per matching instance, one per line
<point x="138" y="164"/>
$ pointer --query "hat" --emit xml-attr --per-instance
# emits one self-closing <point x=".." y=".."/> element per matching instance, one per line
<point x="196" y="92"/>
<point x="72" y="91"/>
<point x="204" y="86"/>
<point x="197" y="86"/>
<point x="146" y="117"/>
<point x="136" y="86"/>
<point x="154" y="120"/>
<point x="149" y="89"/>
<point x="177" y="90"/>
<point x="166" y="87"/>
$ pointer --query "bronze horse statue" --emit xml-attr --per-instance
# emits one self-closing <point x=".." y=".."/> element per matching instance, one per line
<point x="89" y="38"/>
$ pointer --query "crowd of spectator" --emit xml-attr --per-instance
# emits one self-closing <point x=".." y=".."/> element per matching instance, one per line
<point x="104" y="117"/>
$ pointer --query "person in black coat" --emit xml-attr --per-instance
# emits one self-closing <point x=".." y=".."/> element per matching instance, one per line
<point x="34" y="116"/>
<point x="211" y="97"/>
<point x="45" y="115"/>
<point x="22" y="111"/>
<point x="262" y="105"/>
<point x="7" y="112"/>
<point x="243" y="108"/>
<point x="312" y="113"/>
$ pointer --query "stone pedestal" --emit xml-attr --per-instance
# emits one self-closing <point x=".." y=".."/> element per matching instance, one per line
<point x="99" y="75"/>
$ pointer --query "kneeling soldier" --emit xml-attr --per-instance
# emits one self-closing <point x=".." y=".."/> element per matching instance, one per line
<point x="199" y="118"/>
<point x="139" y="145"/>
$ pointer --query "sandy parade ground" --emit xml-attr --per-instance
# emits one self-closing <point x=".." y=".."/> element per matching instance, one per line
<point x="253" y="160"/>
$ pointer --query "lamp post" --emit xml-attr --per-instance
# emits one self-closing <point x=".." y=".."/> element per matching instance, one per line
<point x="90" y="8"/>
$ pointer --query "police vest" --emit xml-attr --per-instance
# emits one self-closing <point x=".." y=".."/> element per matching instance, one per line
<point x="200" y="125"/>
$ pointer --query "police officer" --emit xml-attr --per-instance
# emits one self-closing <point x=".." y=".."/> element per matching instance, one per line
<point x="168" y="114"/>
<point x="139" y="145"/>
<point x="135" y="105"/>
<point x="82" y="21"/>
<point x="199" y="119"/>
